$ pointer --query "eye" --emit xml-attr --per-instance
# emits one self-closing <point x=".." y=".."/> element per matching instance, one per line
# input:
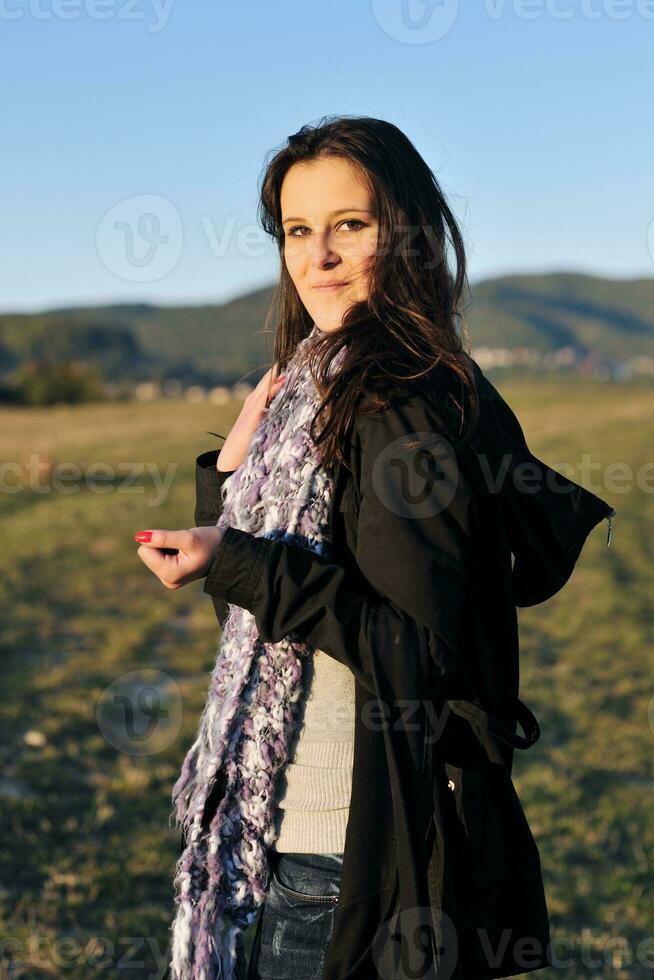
<point x="354" y="221"/>
<point x="348" y="221"/>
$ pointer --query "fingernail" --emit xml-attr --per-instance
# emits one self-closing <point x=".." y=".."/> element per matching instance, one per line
<point x="143" y="536"/>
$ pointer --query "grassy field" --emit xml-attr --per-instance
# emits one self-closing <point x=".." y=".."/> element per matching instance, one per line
<point x="88" y="846"/>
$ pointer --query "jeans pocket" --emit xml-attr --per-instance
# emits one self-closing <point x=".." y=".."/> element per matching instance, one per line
<point x="306" y="897"/>
<point x="313" y="878"/>
<point x="297" y="917"/>
<point x="293" y="934"/>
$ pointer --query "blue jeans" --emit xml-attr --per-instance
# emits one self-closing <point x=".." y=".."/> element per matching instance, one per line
<point x="296" y="920"/>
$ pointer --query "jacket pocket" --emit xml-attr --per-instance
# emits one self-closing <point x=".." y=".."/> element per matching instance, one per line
<point x="480" y="838"/>
<point x="495" y="859"/>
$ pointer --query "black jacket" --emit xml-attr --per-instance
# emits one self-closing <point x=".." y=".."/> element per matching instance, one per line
<point x="419" y="599"/>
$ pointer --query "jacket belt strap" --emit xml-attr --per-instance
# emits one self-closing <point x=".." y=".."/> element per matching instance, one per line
<point x="483" y="719"/>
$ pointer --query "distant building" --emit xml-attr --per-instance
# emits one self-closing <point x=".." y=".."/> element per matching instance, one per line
<point x="195" y="393"/>
<point x="220" y="395"/>
<point x="145" y="391"/>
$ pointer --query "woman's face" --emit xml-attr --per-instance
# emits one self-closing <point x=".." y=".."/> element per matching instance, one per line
<point x="330" y="236"/>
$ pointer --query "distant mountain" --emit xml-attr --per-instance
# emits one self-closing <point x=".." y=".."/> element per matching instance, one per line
<point x="212" y="344"/>
<point x="223" y="343"/>
<point x="613" y="318"/>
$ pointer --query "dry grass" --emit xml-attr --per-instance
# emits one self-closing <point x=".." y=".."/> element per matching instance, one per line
<point x="87" y="853"/>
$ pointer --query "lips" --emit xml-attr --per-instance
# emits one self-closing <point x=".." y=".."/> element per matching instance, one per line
<point x="331" y="285"/>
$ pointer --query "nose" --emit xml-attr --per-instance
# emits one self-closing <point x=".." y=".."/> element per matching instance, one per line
<point x="320" y="250"/>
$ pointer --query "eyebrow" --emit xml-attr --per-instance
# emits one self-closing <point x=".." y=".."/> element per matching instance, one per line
<point x="334" y="213"/>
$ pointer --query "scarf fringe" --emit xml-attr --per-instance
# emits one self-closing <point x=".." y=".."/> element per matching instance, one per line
<point x="222" y="876"/>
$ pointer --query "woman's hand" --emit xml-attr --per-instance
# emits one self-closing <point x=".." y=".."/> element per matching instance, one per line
<point x="236" y="444"/>
<point x="179" y="557"/>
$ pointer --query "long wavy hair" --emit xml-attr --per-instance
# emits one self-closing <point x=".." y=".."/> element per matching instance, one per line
<point x="410" y="327"/>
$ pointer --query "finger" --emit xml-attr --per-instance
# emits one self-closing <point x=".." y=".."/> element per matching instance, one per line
<point x="158" y="538"/>
<point x="164" y="567"/>
<point x="272" y="391"/>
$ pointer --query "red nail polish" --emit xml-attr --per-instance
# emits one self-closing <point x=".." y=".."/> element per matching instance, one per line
<point x="143" y="536"/>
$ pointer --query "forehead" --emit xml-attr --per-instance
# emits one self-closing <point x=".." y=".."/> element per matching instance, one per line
<point x="319" y="187"/>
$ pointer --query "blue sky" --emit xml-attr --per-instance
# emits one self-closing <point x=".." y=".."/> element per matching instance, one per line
<point x="535" y="115"/>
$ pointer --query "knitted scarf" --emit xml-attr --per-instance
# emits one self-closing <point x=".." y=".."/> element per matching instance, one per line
<point x="280" y="491"/>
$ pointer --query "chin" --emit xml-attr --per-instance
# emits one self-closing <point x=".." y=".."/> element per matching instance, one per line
<point x="329" y="319"/>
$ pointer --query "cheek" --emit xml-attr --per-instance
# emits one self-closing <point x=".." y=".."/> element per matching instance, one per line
<point x="294" y="260"/>
<point x="363" y="251"/>
<point x="370" y="244"/>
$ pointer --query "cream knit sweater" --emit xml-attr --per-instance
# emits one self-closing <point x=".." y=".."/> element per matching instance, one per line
<point x="312" y="791"/>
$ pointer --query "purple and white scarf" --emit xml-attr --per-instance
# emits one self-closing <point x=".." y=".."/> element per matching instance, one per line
<point x="280" y="491"/>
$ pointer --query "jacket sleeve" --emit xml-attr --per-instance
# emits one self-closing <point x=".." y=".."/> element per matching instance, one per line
<point x="412" y="547"/>
<point x="208" y="505"/>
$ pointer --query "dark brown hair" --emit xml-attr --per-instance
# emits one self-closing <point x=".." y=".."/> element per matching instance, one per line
<point x="407" y="329"/>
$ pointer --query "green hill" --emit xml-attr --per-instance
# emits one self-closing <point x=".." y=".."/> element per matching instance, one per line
<point x="611" y="317"/>
<point x="224" y="343"/>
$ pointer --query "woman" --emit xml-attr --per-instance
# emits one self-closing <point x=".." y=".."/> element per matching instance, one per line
<point x="365" y="510"/>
